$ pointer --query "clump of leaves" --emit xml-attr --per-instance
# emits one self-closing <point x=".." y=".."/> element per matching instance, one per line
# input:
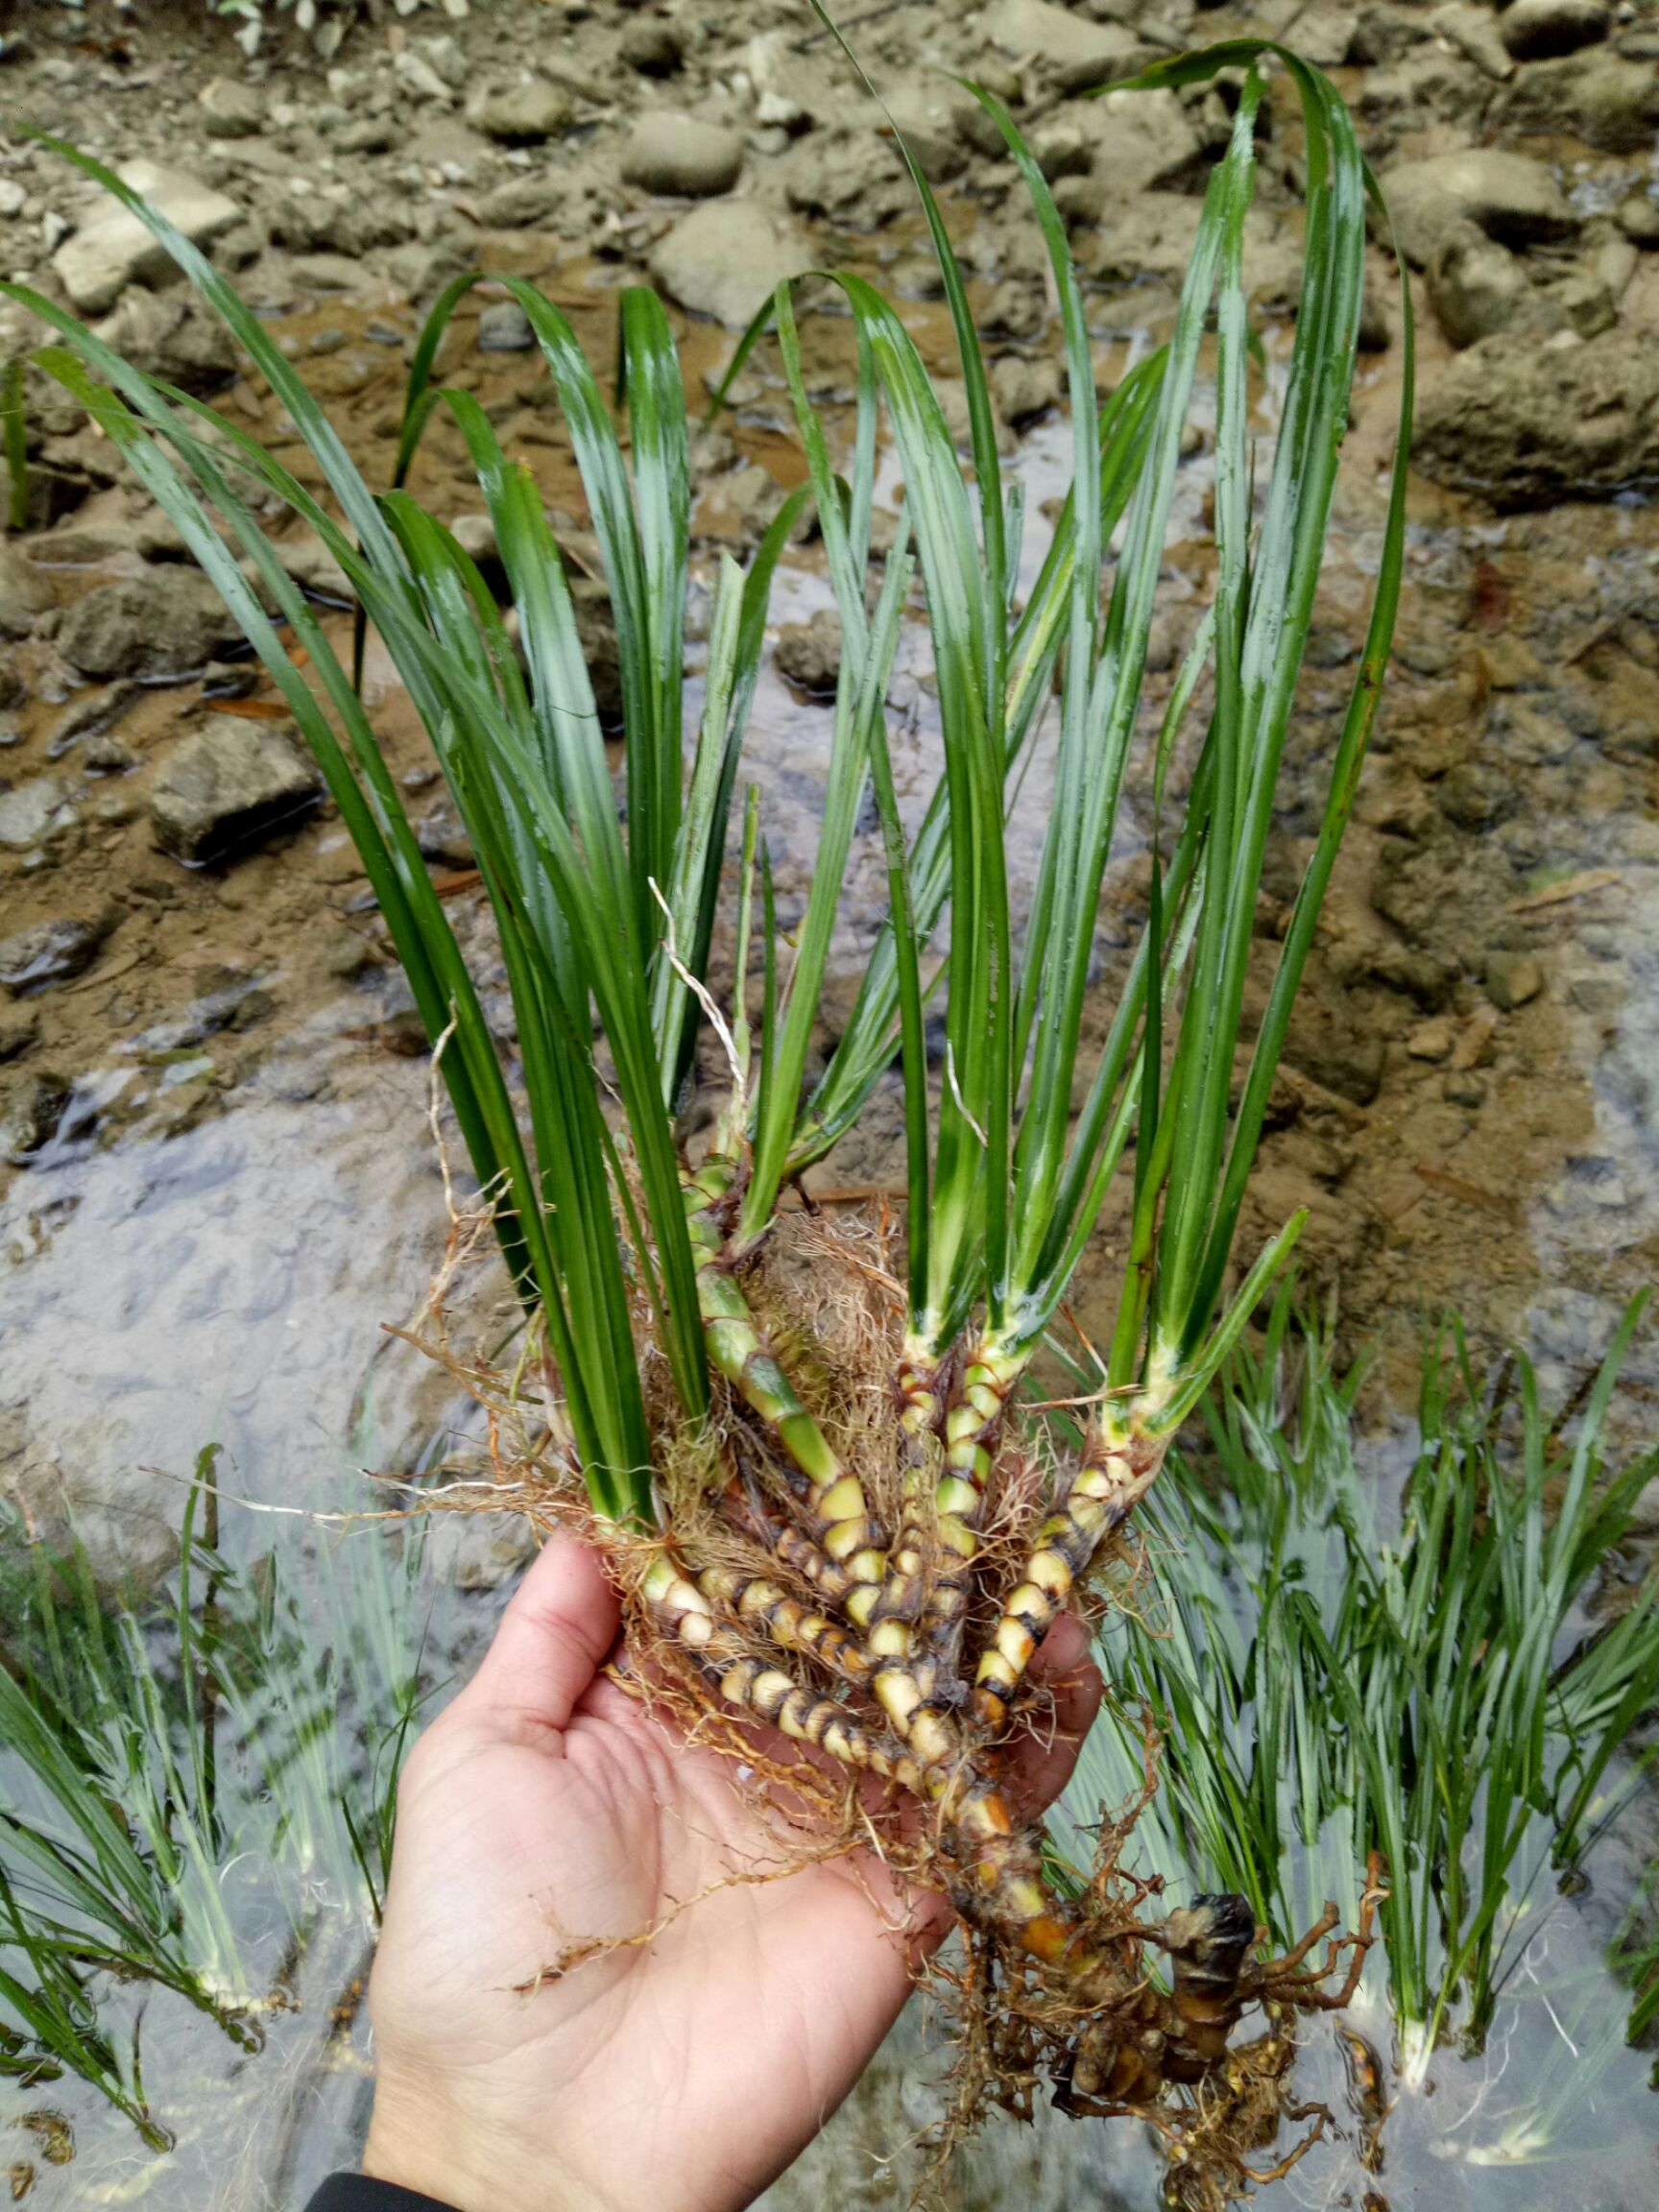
<point x="862" y="1550"/>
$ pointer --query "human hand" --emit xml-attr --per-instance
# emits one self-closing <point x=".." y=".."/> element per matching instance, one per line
<point x="546" y="1806"/>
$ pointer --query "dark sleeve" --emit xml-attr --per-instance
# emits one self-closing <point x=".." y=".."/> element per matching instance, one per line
<point x="356" y="2193"/>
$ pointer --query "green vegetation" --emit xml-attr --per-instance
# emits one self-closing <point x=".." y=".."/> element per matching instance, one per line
<point x="1338" y="1666"/>
<point x="197" y="1787"/>
<point x="654" y="1338"/>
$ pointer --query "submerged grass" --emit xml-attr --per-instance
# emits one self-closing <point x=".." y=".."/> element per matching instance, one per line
<point x="1337" y="1664"/>
<point x="197" y="1786"/>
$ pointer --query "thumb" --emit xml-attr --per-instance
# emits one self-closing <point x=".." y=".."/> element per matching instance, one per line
<point x="561" y="1621"/>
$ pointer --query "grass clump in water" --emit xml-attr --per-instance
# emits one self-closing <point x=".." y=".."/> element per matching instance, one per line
<point x="1338" y="1667"/>
<point x="197" y="1792"/>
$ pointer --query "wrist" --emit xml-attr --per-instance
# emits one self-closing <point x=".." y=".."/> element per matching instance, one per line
<point x="470" y="2162"/>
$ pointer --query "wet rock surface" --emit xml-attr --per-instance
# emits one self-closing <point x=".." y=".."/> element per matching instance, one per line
<point x="231" y="783"/>
<point x="164" y="623"/>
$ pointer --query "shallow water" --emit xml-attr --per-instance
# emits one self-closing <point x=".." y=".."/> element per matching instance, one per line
<point x="227" y="1280"/>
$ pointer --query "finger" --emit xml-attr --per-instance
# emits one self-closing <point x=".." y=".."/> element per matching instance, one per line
<point x="1040" y="1763"/>
<point x="561" y="1624"/>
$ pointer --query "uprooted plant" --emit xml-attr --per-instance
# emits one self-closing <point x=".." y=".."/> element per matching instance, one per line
<point x="816" y="1483"/>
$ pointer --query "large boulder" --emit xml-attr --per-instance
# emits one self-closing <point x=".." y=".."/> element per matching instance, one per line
<point x="1530" y="425"/>
<point x="229" y="783"/>
<point x="1512" y="199"/>
<point x="112" y="248"/>
<point x="163" y="624"/>
<point x="725" y="260"/>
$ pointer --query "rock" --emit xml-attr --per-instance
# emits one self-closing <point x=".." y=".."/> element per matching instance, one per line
<point x="228" y="785"/>
<point x="1340" y="1058"/>
<point x="1611" y="102"/>
<point x="1540" y="30"/>
<point x="857" y="180"/>
<point x="1475" y="35"/>
<point x="1142" y="141"/>
<point x="1078" y="54"/>
<point x="1512" y="979"/>
<point x="809" y="653"/>
<point x="154" y="626"/>
<point x="1638" y="218"/>
<point x="725" y="261"/>
<point x="522" y="114"/>
<point x="504" y="327"/>
<point x="414" y="70"/>
<point x="49" y="953"/>
<point x="314" y="567"/>
<point x="1062" y="150"/>
<point x="653" y="47"/>
<point x="526" y="199"/>
<point x="926" y="116"/>
<point x="28" y="1118"/>
<point x="795" y="90"/>
<point x="232" y="109"/>
<point x="1324" y="34"/>
<point x="1528" y="425"/>
<point x="1512" y="199"/>
<point x="343" y="223"/>
<point x="445" y="59"/>
<point x="172" y="336"/>
<point x="368" y="134"/>
<point x="678" y="157"/>
<point x="1018" y="307"/>
<point x="441" y="836"/>
<point x="112" y="248"/>
<point x="1024" y="387"/>
<point x="329" y="272"/>
<point x="19" y="1031"/>
<point x="29" y="814"/>
<point x="1431" y="1041"/>
<point x="25" y="593"/>
<point x="1477" y="287"/>
<point x="1375" y="332"/>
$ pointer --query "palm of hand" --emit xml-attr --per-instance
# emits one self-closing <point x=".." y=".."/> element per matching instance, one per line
<point x="544" y="1809"/>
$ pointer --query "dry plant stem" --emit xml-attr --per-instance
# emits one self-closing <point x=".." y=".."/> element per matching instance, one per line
<point x="1118" y="1466"/>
